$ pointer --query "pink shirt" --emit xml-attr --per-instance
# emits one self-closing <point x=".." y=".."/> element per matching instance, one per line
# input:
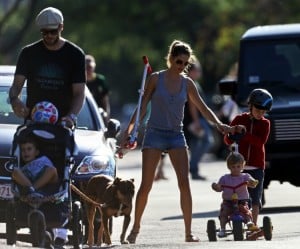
<point x="234" y="181"/>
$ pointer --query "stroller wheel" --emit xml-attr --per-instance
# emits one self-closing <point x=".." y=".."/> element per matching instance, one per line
<point x="37" y="227"/>
<point x="77" y="225"/>
<point x="11" y="230"/>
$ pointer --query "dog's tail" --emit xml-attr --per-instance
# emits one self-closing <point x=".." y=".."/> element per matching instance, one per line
<point x="84" y="196"/>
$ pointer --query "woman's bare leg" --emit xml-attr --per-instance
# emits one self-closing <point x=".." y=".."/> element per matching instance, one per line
<point x="179" y="160"/>
<point x="151" y="158"/>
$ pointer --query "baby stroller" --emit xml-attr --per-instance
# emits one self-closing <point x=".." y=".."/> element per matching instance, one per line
<point x="56" y="208"/>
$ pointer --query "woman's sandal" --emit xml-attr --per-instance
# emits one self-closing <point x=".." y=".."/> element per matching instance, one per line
<point x="131" y="238"/>
<point x="191" y="238"/>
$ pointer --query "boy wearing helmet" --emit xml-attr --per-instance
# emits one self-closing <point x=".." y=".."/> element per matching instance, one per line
<point x="256" y="130"/>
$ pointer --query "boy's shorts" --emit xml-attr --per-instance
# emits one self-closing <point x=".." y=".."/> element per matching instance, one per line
<point x="163" y="139"/>
<point x="256" y="193"/>
<point x="34" y="173"/>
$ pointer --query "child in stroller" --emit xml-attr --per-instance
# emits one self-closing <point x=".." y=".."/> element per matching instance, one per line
<point x="50" y="207"/>
<point x="37" y="172"/>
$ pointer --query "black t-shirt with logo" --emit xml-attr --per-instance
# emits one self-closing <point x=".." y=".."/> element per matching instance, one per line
<point x="51" y="73"/>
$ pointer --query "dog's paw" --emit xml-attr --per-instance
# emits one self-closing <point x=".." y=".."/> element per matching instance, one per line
<point x="107" y="241"/>
<point x="124" y="242"/>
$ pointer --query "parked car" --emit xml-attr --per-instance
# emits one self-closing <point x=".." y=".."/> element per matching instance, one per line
<point x="96" y="143"/>
<point x="270" y="58"/>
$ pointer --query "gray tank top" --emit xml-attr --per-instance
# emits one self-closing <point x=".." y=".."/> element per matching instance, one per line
<point x="167" y="110"/>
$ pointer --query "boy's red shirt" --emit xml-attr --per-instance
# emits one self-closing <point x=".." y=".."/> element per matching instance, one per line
<point x="252" y="144"/>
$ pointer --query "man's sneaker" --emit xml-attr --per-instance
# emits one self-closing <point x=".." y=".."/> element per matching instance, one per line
<point x="59" y="243"/>
<point x="222" y="233"/>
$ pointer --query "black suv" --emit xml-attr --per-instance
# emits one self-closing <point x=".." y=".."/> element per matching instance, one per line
<point x="270" y="58"/>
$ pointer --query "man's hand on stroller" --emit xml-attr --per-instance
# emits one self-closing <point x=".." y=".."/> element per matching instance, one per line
<point x="19" y="108"/>
<point x="68" y="122"/>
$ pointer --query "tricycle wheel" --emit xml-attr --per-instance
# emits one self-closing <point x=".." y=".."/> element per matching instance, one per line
<point x="211" y="230"/>
<point x="238" y="233"/>
<point x="267" y="228"/>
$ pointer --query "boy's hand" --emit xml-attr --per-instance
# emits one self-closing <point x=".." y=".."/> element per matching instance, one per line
<point x="240" y="129"/>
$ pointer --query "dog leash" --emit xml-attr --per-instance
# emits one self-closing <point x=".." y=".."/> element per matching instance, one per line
<point x="85" y="197"/>
<point x="88" y="199"/>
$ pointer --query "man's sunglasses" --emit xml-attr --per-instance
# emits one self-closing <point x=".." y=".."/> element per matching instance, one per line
<point x="180" y="62"/>
<point x="45" y="32"/>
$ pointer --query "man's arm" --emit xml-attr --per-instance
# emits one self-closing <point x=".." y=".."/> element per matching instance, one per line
<point x="76" y="105"/>
<point x="78" y="98"/>
<point x="18" y="106"/>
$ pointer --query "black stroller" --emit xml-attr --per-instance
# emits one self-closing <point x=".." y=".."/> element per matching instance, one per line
<point x="56" y="209"/>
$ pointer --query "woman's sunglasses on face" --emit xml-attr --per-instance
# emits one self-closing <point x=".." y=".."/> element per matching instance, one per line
<point x="180" y="62"/>
<point x="45" y="32"/>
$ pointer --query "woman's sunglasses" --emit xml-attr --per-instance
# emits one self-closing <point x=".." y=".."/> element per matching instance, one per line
<point x="45" y="32"/>
<point x="180" y="62"/>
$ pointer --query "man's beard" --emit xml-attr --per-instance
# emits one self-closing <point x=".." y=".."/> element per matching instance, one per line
<point x="51" y="43"/>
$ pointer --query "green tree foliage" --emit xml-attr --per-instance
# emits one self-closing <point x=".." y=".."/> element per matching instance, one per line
<point x="119" y="32"/>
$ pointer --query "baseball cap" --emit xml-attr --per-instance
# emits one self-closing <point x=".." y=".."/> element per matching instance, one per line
<point x="49" y="18"/>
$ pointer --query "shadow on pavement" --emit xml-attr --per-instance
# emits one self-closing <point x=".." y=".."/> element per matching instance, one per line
<point x="274" y="210"/>
<point x="195" y="215"/>
<point x="268" y="210"/>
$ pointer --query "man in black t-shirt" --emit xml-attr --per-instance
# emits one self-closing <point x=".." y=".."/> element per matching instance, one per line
<point x="55" y="71"/>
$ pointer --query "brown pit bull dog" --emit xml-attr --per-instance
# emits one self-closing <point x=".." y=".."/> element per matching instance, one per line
<point x="115" y="199"/>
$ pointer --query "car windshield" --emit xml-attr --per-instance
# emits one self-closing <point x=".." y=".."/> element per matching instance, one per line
<point x="270" y="62"/>
<point x="86" y="119"/>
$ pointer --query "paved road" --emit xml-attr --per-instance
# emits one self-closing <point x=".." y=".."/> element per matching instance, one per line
<point x="163" y="224"/>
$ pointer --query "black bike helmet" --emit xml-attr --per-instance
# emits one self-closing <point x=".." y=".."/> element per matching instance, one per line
<point x="261" y="99"/>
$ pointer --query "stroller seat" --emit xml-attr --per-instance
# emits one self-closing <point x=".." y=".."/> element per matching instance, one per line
<point x="58" y="144"/>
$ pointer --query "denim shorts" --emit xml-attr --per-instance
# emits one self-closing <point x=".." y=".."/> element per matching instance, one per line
<point x="256" y="193"/>
<point x="163" y="139"/>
